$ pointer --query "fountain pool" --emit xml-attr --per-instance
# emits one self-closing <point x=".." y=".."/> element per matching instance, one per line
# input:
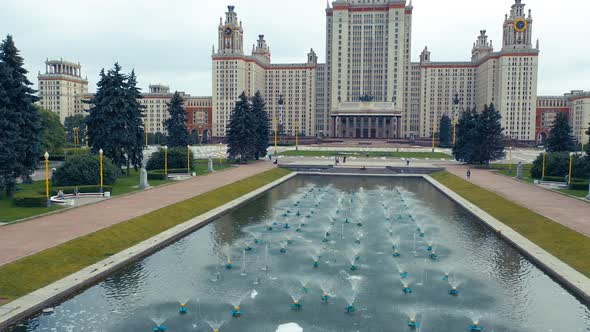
<point x="329" y="253"/>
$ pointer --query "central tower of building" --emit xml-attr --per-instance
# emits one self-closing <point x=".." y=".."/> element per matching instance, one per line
<point x="368" y="58"/>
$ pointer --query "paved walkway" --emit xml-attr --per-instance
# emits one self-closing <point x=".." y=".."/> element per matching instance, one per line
<point x="22" y="239"/>
<point x="567" y="211"/>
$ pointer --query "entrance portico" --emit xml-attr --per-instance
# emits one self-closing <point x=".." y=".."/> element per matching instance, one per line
<point x="366" y="120"/>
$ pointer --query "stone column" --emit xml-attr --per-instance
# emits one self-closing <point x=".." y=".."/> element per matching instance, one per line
<point x="369" y="119"/>
<point x="354" y="127"/>
<point x="347" y="127"/>
<point x="362" y="119"/>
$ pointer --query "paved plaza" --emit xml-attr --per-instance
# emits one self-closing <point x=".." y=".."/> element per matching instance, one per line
<point x="568" y="211"/>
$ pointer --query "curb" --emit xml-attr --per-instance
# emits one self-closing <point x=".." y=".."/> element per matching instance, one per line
<point x="32" y="303"/>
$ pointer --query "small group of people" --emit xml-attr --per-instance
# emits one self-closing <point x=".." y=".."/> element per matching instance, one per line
<point x="337" y="160"/>
<point x="61" y="195"/>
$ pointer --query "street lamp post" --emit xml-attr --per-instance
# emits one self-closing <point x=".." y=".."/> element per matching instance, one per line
<point x="100" y="152"/>
<point x="188" y="159"/>
<point x="274" y="120"/>
<point x="433" y="123"/>
<point x="569" y="177"/>
<point x="48" y="201"/>
<point x="510" y="160"/>
<point x="296" y="135"/>
<point x="544" y="163"/>
<point x="166" y="161"/>
<point x="456" y="102"/>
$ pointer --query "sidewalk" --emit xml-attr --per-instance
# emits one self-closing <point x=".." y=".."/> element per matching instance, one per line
<point x="22" y="239"/>
<point x="570" y="212"/>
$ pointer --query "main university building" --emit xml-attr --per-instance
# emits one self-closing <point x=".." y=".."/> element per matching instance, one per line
<point x="368" y="86"/>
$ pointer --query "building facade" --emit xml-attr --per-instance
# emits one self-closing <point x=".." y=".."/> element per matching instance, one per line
<point x="62" y="88"/>
<point x="507" y="78"/>
<point x="575" y="104"/>
<point x="368" y="86"/>
<point x="289" y="90"/>
<point x="198" y="111"/>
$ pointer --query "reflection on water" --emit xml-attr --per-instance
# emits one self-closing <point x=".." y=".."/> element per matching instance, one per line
<point x="338" y="256"/>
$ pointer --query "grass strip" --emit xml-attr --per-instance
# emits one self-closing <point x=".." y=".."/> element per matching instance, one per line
<point x="374" y="154"/>
<point x="41" y="269"/>
<point x="571" y="247"/>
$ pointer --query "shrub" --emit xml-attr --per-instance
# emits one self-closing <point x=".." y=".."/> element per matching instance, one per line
<point x="579" y="185"/>
<point x="176" y="159"/>
<point x="82" y="170"/>
<point x="81" y="189"/>
<point x="29" y="200"/>
<point x="557" y="165"/>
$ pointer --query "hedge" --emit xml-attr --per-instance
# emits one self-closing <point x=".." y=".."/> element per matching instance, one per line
<point x="81" y="189"/>
<point x="554" y="178"/>
<point x="579" y="185"/>
<point x="30" y="200"/>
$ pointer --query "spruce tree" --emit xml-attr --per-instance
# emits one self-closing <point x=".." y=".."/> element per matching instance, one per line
<point x="178" y="135"/>
<point x="9" y="135"/>
<point x="20" y="98"/>
<point x="241" y="131"/>
<point x="467" y="136"/>
<point x="560" y="137"/>
<point x="588" y="143"/>
<point x="114" y="120"/>
<point x="489" y="143"/>
<point x="445" y="135"/>
<point x="136" y="130"/>
<point x="262" y="129"/>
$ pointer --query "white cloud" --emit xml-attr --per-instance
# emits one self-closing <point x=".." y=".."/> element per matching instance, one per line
<point x="170" y="41"/>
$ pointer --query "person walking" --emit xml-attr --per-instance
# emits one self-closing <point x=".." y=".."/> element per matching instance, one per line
<point x="408" y="162"/>
<point x="469" y="174"/>
<point x="344" y="160"/>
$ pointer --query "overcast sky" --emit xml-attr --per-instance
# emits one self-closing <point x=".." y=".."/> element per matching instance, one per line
<point x="170" y="42"/>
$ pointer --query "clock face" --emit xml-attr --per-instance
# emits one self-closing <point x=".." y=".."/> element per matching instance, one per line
<point x="520" y="25"/>
<point x="228" y="31"/>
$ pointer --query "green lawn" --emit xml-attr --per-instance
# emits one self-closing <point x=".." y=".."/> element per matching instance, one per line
<point x="510" y="170"/>
<point x="576" y="193"/>
<point x="10" y="212"/>
<point x="33" y="272"/>
<point x="124" y="185"/>
<point x="326" y="153"/>
<point x="571" y="247"/>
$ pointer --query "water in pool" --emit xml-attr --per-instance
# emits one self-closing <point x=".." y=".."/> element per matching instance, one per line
<point x="329" y="254"/>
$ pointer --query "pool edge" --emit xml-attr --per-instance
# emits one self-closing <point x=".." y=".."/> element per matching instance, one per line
<point x="34" y="302"/>
<point x="557" y="269"/>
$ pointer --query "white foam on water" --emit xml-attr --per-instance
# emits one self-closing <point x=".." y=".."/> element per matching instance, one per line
<point x="253" y="294"/>
<point x="289" y="327"/>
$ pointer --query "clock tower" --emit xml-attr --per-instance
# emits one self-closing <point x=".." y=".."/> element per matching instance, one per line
<point x="230" y="34"/>
<point x="518" y="28"/>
